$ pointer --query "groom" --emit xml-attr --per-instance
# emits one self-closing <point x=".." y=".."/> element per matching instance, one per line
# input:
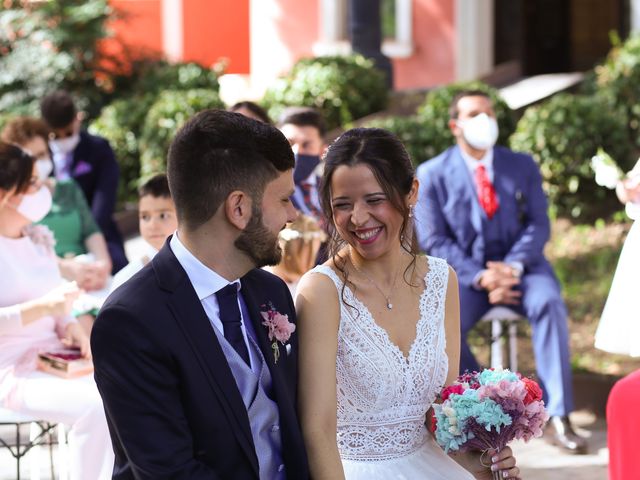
<point x="193" y="384"/>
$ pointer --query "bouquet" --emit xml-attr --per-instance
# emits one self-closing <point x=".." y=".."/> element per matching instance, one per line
<point x="488" y="409"/>
<point x="607" y="172"/>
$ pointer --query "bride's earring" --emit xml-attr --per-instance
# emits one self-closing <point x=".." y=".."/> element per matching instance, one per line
<point x="411" y="211"/>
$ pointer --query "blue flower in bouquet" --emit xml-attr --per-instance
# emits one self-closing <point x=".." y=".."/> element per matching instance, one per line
<point x="452" y="417"/>
<point x="489" y="376"/>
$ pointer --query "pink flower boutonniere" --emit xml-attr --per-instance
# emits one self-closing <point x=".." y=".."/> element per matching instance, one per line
<point x="280" y="328"/>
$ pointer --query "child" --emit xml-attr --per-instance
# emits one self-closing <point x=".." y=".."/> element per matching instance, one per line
<point x="157" y="220"/>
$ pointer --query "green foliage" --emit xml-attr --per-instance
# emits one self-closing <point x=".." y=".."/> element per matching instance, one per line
<point x="342" y="88"/>
<point x="169" y="112"/>
<point x="435" y="113"/>
<point x="122" y="121"/>
<point x="53" y="44"/>
<point x="416" y="135"/>
<point x="617" y="80"/>
<point x="563" y="134"/>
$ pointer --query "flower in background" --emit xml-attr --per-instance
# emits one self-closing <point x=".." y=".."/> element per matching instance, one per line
<point x="607" y="172"/>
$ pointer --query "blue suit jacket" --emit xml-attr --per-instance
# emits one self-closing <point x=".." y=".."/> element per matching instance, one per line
<point x="95" y="169"/>
<point x="449" y="217"/>
<point x="172" y="404"/>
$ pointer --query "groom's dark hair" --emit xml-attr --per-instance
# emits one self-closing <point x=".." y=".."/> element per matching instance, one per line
<point x="217" y="152"/>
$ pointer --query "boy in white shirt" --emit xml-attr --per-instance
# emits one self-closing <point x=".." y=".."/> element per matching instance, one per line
<point x="157" y="220"/>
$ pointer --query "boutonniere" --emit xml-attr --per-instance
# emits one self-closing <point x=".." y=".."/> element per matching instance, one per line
<point x="280" y="328"/>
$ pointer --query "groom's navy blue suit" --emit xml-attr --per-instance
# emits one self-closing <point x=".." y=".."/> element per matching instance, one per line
<point x="451" y="224"/>
<point x="173" y="406"/>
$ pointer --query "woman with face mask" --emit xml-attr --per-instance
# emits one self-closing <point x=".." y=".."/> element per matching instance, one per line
<point x="35" y="305"/>
<point x="80" y="245"/>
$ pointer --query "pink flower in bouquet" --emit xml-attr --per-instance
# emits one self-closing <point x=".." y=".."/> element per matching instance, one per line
<point x="534" y="392"/>
<point x="280" y="328"/>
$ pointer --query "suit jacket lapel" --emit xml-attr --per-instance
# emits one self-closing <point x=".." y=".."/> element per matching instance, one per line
<point x="192" y="319"/>
<point x="464" y="184"/>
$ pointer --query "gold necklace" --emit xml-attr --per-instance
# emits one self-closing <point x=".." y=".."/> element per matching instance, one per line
<point x="372" y="282"/>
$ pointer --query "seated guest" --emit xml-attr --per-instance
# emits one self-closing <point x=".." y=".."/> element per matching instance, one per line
<point x="34" y="316"/>
<point x="300" y="243"/>
<point x="90" y="161"/>
<point x="305" y="130"/>
<point x="157" y="220"/>
<point x="70" y="219"/>
<point x="251" y="110"/>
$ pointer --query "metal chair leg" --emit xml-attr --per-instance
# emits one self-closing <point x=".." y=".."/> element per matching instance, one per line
<point x="496" y="343"/>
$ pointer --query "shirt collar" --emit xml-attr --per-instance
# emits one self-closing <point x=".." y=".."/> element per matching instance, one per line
<point x="473" y="163"/>
<point x="205" y="281"/>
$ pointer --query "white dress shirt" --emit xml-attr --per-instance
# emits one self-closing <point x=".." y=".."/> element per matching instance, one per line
<point x="473" y="163"/>
<point x="206" y="283"/>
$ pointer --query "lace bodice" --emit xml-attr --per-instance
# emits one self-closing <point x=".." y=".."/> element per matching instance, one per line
<point x="383" y="396"/>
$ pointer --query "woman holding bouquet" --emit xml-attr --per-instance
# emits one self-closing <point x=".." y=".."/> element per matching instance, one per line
<point x="379" y="328"/>
<point x="34" y="316"/>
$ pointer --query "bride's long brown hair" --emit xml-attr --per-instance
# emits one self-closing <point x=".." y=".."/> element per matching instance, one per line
<point x="391" y="165"/>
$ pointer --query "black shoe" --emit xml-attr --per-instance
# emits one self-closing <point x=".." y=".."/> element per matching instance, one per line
<point x="560" y="433"/>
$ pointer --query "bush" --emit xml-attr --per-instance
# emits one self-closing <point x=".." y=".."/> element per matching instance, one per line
<point x="563" y="134"/>
<point x="169" y="112"/>
<point x="48" y="45"/>
<point x="434" y="112"/>
<point x="123" y="120"/>
<point x="416" y="135"/>
<point x="342" y="88"/>
<point x="617" y="81"/>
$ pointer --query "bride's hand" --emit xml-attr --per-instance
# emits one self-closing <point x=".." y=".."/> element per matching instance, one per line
<point x="482" y="465"/>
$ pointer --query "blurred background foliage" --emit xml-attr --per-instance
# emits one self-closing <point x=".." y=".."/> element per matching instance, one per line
<point x="342" y="88"/>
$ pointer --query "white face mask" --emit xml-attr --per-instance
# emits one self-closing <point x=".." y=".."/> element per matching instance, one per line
<point x="44" y="168"/>
<point x="481" y="131"/>
<point x="65" y="145"/>
<point x="36" y="205"/>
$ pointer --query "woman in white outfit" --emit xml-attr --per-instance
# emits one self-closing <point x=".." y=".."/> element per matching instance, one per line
<point x="34" y="316"/>
<point x="379" y="328"/>
<point x="619" y="327"/>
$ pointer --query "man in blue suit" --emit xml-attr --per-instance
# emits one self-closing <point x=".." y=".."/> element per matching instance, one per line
<point x="90" y="161"/>
<point x="196" y="355"/>
<point x="482" y="208"/>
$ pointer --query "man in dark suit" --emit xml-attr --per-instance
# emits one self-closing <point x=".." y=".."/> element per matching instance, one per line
<point x="196" y="355"/>
<point x="90" y="161"/>
<point x="482" y="208"/>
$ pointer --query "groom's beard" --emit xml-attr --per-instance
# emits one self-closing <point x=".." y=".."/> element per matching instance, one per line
<point x="259" y="243"/>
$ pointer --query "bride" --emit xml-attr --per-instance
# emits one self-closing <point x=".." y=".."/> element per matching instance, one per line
<point x="379" y="328"/>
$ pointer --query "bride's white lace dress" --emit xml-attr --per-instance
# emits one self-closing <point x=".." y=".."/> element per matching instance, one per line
<point x="383" y="397"/>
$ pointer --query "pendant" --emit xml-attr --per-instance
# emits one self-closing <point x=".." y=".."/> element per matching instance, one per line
<point x="389" y="305"/>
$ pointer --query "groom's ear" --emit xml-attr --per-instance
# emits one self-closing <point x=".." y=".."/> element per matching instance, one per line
<point x="237" y="209"/>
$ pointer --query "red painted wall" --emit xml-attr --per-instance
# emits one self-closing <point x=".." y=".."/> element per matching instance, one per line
<point x="433" y="59"/>
<point x="214" y="29"/>
<point x="139" y="28"/>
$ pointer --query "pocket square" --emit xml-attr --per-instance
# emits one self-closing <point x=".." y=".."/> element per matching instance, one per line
<point x="288" y="348"/>
<point x="82" y="168"/>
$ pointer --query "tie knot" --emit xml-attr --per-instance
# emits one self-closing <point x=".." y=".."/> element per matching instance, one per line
<point x="230" y="290"/>
<point x="481" y="168"/>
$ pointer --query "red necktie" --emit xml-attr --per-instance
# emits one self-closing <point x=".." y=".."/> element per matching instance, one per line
<point x="486" y="192"/>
